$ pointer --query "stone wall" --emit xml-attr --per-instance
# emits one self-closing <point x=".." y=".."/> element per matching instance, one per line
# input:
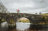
<point x="33" y="18"/>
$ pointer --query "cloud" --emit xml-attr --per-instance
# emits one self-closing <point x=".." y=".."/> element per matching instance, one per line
<point x="26" y="6"/>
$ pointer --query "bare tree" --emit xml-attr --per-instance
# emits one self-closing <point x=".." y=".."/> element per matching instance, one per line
<point x="3" y="9"/>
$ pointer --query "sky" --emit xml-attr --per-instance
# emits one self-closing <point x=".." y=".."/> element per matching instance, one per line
<point x="26" y="6"/>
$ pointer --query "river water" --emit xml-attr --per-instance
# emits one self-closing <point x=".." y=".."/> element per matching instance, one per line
<point x="22" y="26"/>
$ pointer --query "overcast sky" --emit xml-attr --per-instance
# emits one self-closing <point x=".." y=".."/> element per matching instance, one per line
<point x="26" y="6"/>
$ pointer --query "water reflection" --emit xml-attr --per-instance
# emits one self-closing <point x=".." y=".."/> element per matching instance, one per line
<point x="25" y="27"/>
<point x="22" y="26"/>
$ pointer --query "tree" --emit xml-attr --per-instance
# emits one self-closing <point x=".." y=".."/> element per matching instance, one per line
<point x="2" y="8"/>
